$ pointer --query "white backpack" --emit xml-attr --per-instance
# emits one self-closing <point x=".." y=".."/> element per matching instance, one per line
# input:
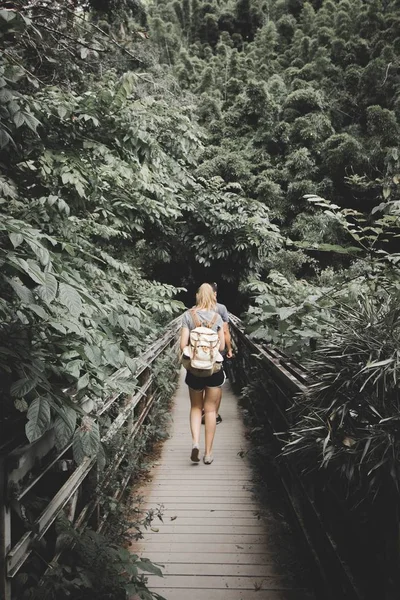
<point x="202" y="356"/>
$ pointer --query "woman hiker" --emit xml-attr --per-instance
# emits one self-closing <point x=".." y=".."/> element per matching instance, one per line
<point x="204" y="392"/>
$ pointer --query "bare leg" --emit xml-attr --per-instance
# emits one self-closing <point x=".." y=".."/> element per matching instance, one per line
<point x="218" y="401"/>
<point x="210" y="403"/>
<point x="196" y="405"/>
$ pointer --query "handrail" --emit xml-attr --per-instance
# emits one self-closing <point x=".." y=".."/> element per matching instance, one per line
<point x="286" y="379"/>
<point x="283" y="367"/>
<point x="17" y="464"/>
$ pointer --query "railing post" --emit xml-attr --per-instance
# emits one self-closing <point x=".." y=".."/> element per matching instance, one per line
<point x="5" y="533"/>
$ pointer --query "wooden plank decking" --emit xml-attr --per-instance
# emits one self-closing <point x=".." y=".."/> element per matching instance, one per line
<point x="212" y="543"/>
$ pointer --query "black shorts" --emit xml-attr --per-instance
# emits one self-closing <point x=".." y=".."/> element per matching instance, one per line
<point x="199" y="383"/>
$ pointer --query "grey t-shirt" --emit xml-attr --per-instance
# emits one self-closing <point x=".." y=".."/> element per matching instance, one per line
<point x="205" y="316"/>
<point x="222" y="310"/>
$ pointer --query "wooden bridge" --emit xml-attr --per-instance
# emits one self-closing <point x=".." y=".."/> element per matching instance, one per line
<point x="216" y="540"/>
<point x="213" y="541"/>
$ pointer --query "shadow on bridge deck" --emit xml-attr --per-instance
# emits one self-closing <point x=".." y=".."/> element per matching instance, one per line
<point x="215" y="542"/>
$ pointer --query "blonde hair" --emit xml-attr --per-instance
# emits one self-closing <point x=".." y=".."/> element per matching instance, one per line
<point x="205" y="297"/>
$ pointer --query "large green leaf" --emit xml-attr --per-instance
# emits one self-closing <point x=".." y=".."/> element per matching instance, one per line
<point x="23" y="292"/>
<point x="93" y="353"/>
<point x="35" y="272"/>
<point x="39" y="418"/>
<point x="7" y="14"/>
<point x="124" y="386"/>
<point x="64" y="426"/>
<point x="5" y="139"/>
<point x="86" y="440"/>
<point x="16" y="239"/>
<point x="83" y="382"/>
<point x="31" y="121"/>
<point x="39" y="311"/>
<point x="18" y="119"/>
<point x="41" y="252"/>
<point x="73" y="367"/>
<point x="114" y="355"/>
<point x="73" y="326"/>
<point x="131" y="363"/>
<point x="48" y="292"/>
<point x="124" y="322"/>
<point x="6" y="96"/>
<point x="58" y="327"/>
<point x="70" y="298"/>
<point x="146" y="565"/>
<point x="286" y="311"/>
<point x="22" y="387"/>
<point x="30" y="268"/>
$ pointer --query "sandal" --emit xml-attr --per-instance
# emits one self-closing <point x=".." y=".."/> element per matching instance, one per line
<point x="194" y="457"/>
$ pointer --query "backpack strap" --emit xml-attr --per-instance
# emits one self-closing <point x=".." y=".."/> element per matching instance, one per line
<point x="195" y="317"/>
<point x="197" y="322"/>
<point x="213" y="320"/>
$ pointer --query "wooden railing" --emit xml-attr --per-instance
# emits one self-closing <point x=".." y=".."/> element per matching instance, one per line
<point x="279" y="379"/>
<point x="25" y="469"/>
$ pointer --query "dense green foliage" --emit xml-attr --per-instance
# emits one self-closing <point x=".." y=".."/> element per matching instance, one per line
<point x="148" y="148"/>
<point x="98" y="194"/>
<point x="298" y="97"/>
<point x="79" y="187"/>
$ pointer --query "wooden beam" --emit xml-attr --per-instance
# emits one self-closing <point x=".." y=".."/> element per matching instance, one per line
<point x="20" y="552"/>
<point x="274" y="362"/>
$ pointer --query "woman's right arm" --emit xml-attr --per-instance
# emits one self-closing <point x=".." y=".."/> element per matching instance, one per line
<point x="184" y="337"/>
